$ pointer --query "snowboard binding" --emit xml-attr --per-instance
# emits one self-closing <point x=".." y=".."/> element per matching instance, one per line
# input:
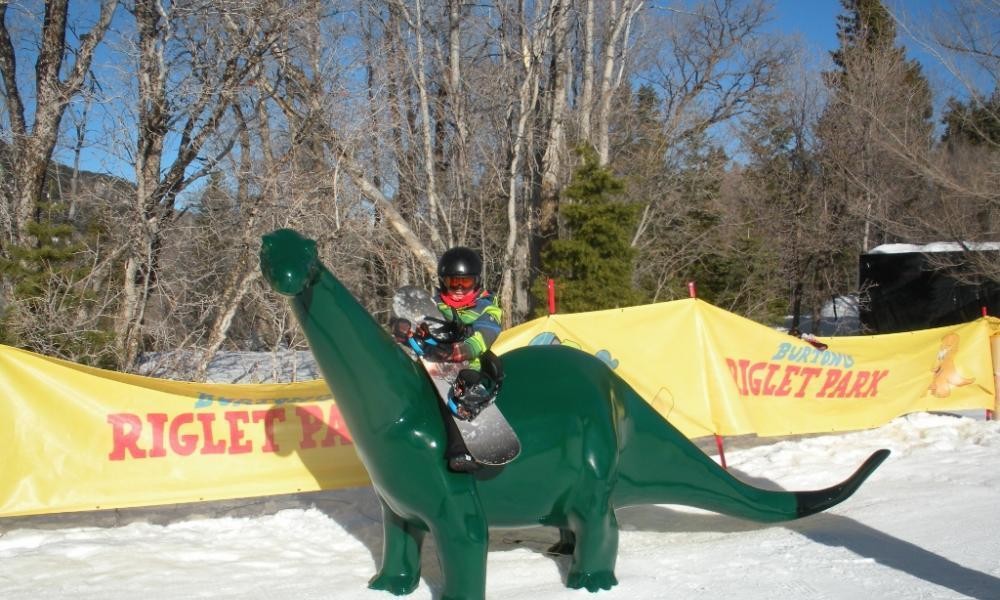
<point x="470" y="394"/>
<point x="474" y="390"/>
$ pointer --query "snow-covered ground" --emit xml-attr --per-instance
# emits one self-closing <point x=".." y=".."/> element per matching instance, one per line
<point x="926" y="525"/>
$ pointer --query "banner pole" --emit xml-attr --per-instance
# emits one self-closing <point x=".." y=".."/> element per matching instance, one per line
<point x="995" y="355"/>
<point x="552" y="296"/>
<point x="692" y="291"/>
<point x="996" y="369"/>
<point x="722" y="451"/>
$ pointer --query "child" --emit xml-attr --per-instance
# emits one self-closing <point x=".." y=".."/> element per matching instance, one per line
<point x="472" y="325"/>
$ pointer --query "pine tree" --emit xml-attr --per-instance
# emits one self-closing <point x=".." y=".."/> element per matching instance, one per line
<point x="975" y="122"/>
<point x="865" y="26"/>
<point x="592" y="262"/>
<point x="867" y="35"/>
<point x="880" y="109"/>
<point x="48" y="302"/>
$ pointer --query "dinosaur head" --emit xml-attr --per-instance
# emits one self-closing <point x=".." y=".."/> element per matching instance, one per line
<point x="289" y="261"/>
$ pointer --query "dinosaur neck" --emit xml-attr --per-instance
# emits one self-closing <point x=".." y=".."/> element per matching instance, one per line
<point x="373" y="381"/>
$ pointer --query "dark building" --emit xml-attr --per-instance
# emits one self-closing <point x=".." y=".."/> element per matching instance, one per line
<point x="926" y="287"/>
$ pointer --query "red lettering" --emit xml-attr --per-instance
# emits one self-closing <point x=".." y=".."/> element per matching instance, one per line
<point x="182" y="444"/>
<point x="311" y="419"/>
<point x="269" y="417"/>
<point x="159" y="423"/>
<point x="808" y="373"/>
<point x="860" y="379"/>
<point x="772" y="368"/>
<point x="210" y="446"/>
<point x="122" y="440"/>
<point x="751" y="379"/>
<point x="785" y="387"/>
<point x="337" y="434"/>
<point x="168" y="435"/>
<point x="755" y="381"/>
<point x="832" y="377"/>
<point x="744" y="365"/>
<point x="877" y="376"/>
<point x="734" y="371"/>
<point x="841" y="390"/>
<point x="236" y="443"/>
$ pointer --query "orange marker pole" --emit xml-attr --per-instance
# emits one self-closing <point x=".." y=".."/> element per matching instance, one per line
<point x="692" y="291"/>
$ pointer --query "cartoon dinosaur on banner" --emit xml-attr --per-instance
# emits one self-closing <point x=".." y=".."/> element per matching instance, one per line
<point x="590" y="445"/>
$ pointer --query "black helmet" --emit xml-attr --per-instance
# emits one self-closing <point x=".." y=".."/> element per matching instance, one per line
<point x="460" y="262"/>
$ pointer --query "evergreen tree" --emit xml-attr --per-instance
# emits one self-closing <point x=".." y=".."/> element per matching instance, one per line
<point x="865" y="26"/>
<point x="787" y="227"/>
<point x="975" y="122"/>
<point x="592" y="262"/>
<point x="48" y="311"/>
<point x="867" y="37"/>
<point x="879" y="111"/>
<point x="676" y="187"/>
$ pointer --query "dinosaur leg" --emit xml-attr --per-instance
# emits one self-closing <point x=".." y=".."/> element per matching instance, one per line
<point x="596" y="532"/>
<point x="400" y="571"/>
<point x="566" y="544"/>
<point x="460" y="531"/>
<point x="591" y="517"/>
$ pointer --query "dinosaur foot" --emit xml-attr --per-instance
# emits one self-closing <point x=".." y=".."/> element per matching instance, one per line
<point x="594" y="582"/>
<point x="398" y="585"/>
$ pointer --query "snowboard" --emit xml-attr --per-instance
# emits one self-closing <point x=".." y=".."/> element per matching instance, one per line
<point x="488" y="437"/>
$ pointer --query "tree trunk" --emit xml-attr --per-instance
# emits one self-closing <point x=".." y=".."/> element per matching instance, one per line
<point x="551" y="164"/>
<point x="532" y="44"/>
<point x="246" y="269"/>
<point x="32" y="151"/>
<point x="618" y="22"/>
<point x="586" y="101"/>
<point x="436" y="210"/>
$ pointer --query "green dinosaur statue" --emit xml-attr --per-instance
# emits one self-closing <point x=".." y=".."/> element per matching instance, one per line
<point x="590" y="445"/>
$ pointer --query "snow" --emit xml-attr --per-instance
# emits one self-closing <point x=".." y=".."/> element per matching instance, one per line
<point x="841" y="307"/>
<point x="923" y="526"/>
<point x="839" y="316"/>
<point x="280" y="366"/>
<point x="935" y="247"/>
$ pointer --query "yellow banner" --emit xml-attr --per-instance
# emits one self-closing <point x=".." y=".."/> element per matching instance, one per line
<point x="77" y="438"/>
<point x="710" y="371"/>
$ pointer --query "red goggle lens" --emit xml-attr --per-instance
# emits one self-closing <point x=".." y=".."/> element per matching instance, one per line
<point x="460" y="282"/>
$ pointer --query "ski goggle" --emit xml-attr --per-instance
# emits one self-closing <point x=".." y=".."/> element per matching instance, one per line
<point x="459" y="282"/>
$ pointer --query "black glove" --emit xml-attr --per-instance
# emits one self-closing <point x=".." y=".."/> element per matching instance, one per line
<point x="401" y="330"/>
<point x="454" y="352"/>
<point x="443" y="331"/>
<point x="452" y="331"/>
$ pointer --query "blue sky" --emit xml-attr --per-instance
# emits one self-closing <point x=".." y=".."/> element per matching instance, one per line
<point x="815" y="20"/>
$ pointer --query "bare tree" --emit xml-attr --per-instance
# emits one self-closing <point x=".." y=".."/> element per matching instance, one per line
<point x="191" y="64"/>
<point x="703" y="71"/>
<point x="553" y="149"/>
<point x="534" y="35"/>
<point x="616" y="44"/>
<point x="60" y="71"/>
<point x="962" y="173"/>
<point x="437" y="215"/>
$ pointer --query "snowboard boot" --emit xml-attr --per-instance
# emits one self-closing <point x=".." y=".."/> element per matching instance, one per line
<point x="469" y="395"/>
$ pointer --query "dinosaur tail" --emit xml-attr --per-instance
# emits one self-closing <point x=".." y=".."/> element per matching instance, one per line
<point x="819" y="500"/>
<point x="661" y="466"/>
